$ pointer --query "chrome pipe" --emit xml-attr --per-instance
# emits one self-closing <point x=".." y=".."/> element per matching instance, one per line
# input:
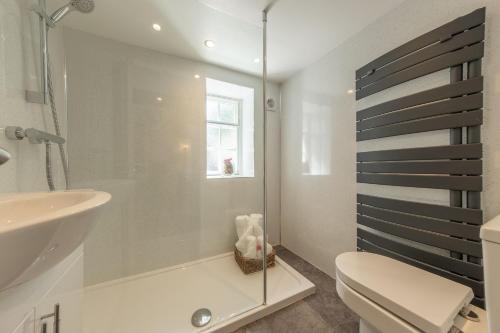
<point x="44" y="50"/>
<point x="48" y="166"/>
<point x="31" y="96"/>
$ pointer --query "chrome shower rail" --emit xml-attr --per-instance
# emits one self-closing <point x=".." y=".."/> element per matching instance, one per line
<point x="33" y="96"/>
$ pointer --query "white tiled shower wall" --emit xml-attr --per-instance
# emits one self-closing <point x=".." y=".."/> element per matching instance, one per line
<point x="321" y="204"/>
<point x="25" y="172"/>
<point x="150" y="156"/>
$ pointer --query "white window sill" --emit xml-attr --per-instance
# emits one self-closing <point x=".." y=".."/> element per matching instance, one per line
<point x="228" y="177"/>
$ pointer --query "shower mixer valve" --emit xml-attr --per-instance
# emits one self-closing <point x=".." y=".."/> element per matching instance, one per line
<point x="34" y="136"/>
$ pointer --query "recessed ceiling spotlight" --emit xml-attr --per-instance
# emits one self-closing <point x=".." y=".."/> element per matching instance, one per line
<point x="197" y="76"/>
<point x="156" y="27"/>
<point x="350" y="91"/>
<point x="256" y="60"/>
<point x="159" y="99"/>
<point x="209" y="43"/>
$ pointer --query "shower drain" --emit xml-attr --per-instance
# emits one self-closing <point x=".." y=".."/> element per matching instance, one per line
<point x="201" y="317"/>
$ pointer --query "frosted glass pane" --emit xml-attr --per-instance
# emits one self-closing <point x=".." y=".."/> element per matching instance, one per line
<point x="229" y="153"/>
<point x="212" y="110"/>
<point x="229" y="138"/>
<point x="229" y="112"/>
<point x="212" y="136"/>
<point x="212" y="161"/>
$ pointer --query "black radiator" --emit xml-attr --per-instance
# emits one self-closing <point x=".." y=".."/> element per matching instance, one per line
<point x="395" y="228"/>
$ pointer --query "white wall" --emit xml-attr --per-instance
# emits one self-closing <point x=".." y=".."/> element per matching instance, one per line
<point x="150" y="156"/>
<point x="318" y="208"/>
<point x="20" y="71"/>
<point x="25" y="172"/>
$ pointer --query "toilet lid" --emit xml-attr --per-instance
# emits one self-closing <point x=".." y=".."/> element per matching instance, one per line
<point x="425" y="300"/>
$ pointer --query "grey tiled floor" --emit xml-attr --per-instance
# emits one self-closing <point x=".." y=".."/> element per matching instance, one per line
<point x="322" y="312"/>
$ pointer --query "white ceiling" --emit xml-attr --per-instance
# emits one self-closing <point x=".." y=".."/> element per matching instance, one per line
<point x="300" y="31"/>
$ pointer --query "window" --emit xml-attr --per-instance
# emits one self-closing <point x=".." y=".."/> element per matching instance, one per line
<point x="230" y="129"/>
<point x="224" y="137"/>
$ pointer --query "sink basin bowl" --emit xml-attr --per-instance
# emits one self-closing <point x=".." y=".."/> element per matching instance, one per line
<point x="38" y="230"/>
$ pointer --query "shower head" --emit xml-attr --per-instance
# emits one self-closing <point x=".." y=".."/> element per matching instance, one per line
<point x="83" y="6"/>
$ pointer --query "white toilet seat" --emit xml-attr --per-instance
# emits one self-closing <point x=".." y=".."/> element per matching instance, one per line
<point x="370" y="312"/>
<point x="395" y="297"/>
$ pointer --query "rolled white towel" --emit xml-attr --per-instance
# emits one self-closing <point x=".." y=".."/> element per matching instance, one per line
<point x="259" y="218"/>
<point x="257" y="230"/>
<point x="251" y="248"/>
<point x="250" y="236"/>
<point x="251" y="230"/>
<point x="241" y="223"/>
<point x="260" y="252"/>
<point x="242" y="243"/>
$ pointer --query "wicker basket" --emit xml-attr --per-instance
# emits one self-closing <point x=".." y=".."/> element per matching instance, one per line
<point x="248" y="265"/>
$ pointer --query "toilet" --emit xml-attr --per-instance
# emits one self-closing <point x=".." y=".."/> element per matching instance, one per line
<point x="393" y="297"/>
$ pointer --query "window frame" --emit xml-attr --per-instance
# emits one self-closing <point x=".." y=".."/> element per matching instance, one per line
<point x="238" y="126"/>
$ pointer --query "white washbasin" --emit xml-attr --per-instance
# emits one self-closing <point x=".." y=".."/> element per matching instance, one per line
<point x="38" y="230"/>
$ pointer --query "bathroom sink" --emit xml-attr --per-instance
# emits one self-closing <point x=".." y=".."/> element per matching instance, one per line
<point x="38" y="230"/>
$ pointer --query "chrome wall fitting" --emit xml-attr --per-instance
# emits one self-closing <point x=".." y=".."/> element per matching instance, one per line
<point x="4" y="156"/>
<point x="34" y="136"/>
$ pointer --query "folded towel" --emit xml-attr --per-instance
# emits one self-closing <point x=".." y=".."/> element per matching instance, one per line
<point x="252" y="248"/>
<point x="259" y="218"/>
<point x="241" y="223"/>
<point x="253" y="224"/>
<point x="252" y="229"/>
<point x="260" y="250"/>
<point x="250" y="236"/>
<point x="242" y="243"/>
